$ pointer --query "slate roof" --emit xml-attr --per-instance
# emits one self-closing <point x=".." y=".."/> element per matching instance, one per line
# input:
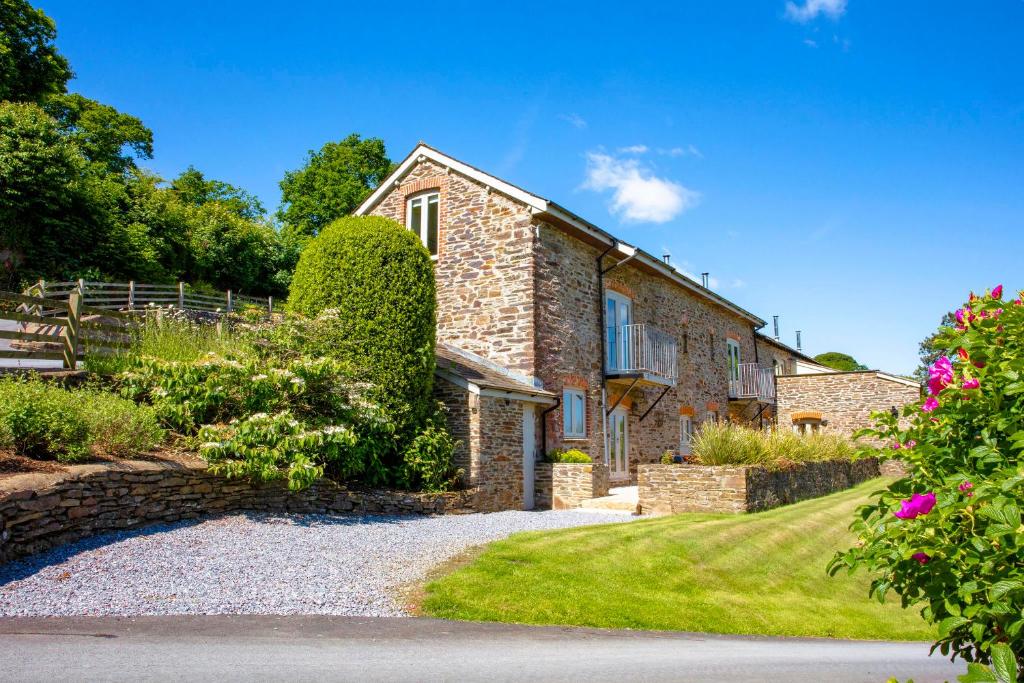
<point x="482" y="373"/>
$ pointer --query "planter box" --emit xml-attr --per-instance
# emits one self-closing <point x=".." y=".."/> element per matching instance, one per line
<point x="670" y="489"/>
<point x="562" y="485"/>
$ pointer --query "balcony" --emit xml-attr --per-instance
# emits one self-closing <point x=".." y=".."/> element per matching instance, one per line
<point x="755" y="382"/>
<point x="641" y="353"/>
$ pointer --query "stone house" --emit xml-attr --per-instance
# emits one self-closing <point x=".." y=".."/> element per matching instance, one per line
<point x="554" y="334"/>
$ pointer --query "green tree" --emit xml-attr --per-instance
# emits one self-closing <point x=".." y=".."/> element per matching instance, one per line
<point x="194" y="189"/>
<point x="229" y="251"/>
<point x="839" y="361"/>
<point x="332" y="183"/>
<point x="930" y="348"/>
<point x="31" y="69"/>
<point x="379" y="279"/>
<point x="106" y="137"/>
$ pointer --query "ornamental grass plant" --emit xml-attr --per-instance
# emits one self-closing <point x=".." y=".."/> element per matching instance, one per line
<point x="728" y="444"/>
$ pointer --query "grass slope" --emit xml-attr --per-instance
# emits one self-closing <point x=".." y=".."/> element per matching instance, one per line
<point x="756" y="574"/>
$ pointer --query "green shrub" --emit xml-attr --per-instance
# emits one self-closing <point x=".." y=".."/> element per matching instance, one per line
<point x="570" y="456"/>
<point x="41" y="420"/>
<point x="267" y="447"/>
<point x="948" y="538"/>
<point x="729" y="444"/>
<point x="117" y="426"/>
<point x="379" y="280"/>
<point x="667" y="458"/>
<point x="427" y="460"/>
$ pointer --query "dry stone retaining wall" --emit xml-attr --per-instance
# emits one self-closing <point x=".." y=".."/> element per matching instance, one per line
<point x="671" y="489"/>
<point x="562" y="485"/>
<point x="39" y="511"/>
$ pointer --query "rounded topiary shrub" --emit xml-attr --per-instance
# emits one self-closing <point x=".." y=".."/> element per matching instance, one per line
<point x="379" y="280"/>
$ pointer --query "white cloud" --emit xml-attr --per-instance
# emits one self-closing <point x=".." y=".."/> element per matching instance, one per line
<point x="738" y="284"/>
<point x="811" y="9"/>
<point x="810" y="43"/>
<point x="689" y="150"/>
<point x="638" y="195"/>
<point x="574" y="120"/>
<point x="633" y="149"/>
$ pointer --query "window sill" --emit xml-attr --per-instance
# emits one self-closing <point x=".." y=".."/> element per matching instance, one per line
<point x="575" y="438"/>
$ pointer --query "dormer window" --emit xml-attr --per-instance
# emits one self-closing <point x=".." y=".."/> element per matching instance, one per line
<point x="423" y="218"/>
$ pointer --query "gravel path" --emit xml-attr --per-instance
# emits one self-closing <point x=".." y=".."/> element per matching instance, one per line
<point x="257" y="564"/>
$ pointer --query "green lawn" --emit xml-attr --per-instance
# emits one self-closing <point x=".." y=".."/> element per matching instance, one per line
<point x="758" y="574"/>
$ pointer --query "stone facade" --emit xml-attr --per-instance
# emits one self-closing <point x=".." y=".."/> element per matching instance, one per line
<point x="563" y="485"/>
<point x="40" y="511"/>
<point x="490" y="453"/>
<point x="484" y="268"/>
<point x="671" y="489"/>
<point x="843" y="401"/>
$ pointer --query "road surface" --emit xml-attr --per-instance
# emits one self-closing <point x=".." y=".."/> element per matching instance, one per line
<point x="248" y="648"/>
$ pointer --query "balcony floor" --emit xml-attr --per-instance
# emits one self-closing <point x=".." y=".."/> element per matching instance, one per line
<point x="644" y="379"/>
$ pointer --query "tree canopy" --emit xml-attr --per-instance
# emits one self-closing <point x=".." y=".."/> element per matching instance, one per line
<point x="31" y="68"/>
<point x="331" y="184"/>
<point x="839" y="361"/>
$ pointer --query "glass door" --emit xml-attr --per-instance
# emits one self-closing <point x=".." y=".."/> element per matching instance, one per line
<point x="618" y="315"/>
<point x="618" y="443"/>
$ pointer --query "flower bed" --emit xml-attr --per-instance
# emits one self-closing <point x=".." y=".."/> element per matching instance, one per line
<point x="671" y="489"/>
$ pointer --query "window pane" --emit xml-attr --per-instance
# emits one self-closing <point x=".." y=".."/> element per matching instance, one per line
<point x="415" y="215"/>
<point x="578" y="415"/>
<point x="567" y="412"/>
<point x="432" y="219"/>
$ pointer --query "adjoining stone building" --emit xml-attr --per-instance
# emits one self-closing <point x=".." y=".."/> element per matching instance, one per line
<point x="553" y="333"/>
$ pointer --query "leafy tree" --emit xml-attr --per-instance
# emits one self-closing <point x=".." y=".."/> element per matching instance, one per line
<point x="194" y="189"/>
<point x="839" y="361"/>
<point x="231" y="252"/>
<point x="930" y="349"/>
<point x="31" y="69"/>
<point x="101" y="132"/>
<point x="379" y="279"/>
<point x="332" y="183"/>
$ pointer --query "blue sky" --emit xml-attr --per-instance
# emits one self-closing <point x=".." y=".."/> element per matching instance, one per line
<point x="853" y="167"/>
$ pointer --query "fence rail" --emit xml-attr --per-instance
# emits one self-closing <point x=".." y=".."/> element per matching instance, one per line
<point x="129" y="296"/>
<point x="642" y="348"/>
<point x="54" y="329"/>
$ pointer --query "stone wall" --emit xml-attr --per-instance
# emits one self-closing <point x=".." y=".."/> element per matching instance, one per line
<point x="671" y="489"/>
<point x="484" y="267"/>
<point x="844" y="399"/>
<point x="39" y="511"/>
<point x="563" y="485"/>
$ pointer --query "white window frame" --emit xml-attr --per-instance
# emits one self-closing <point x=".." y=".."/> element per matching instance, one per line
<point x="424" y="200"/>
<point x="574" y="413"/>
<point x="713" y="416"/>
<point x="685" y="434"/>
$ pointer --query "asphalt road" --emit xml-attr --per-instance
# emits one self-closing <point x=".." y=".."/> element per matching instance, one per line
<point x="262" y="648"/>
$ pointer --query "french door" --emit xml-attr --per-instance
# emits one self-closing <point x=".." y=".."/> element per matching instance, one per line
<point x="618" y="444"/>
<point x="618" y="314"/>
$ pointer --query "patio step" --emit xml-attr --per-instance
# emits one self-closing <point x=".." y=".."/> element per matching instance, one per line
<point x="624" y="498"/>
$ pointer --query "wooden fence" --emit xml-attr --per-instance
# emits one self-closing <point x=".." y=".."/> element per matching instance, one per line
<point x="130" y="296"/>
<point x="57" y="329"/>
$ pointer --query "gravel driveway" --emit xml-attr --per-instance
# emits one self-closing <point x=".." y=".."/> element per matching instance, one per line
<point x="257" y="564"/>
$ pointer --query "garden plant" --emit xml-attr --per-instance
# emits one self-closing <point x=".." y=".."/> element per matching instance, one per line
<point x="948" y="538"/>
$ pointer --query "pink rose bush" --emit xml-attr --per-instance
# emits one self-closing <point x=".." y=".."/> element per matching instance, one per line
<point x="948" y="539"/>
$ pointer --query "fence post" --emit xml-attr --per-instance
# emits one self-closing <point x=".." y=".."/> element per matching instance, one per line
<point x="71" y="330"/>
<point x="229" y="301"/>
<point x="181" y="295"/>
<point x="131" y="295"/>
<point x="270" y="305"/>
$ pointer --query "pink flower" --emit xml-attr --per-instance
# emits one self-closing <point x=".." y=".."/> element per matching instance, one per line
<point x="922" y="558"/>
<point x="972" y="383"/>
<point x="895" y="445"/>
<point x="984" y="314"/>
<point x="930" y="405"/>
<point x="962" y="352"/>
<point x="910" y="444"/>
<point x="978" y="364"/>
<point x="916" y="506"/>
<point x="997" y="293"/>
<point x="998" y="313"/>
<point x="959" y="316"/>
<point x="966" y="488"/>
<point x="940" y="374"/>
<point x="1018" y="302"/>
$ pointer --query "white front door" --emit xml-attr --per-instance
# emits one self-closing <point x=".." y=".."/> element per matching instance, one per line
<point x="618" y="444"/>
<point x="618" y="314"/>
<point x="529" y="452"/>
